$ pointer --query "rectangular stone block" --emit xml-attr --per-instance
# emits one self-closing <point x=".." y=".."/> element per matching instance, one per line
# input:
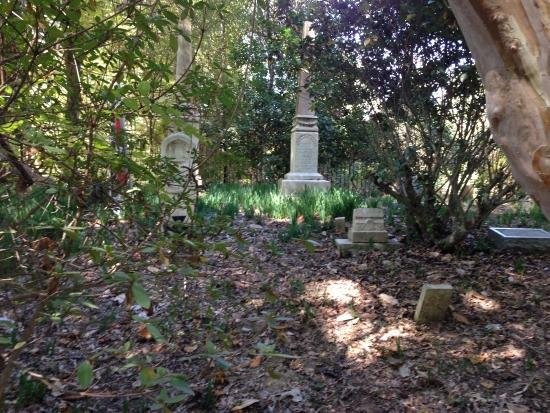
<point x="535" y="239"/>
<point x="370" y="224"/>
<point x="362" y="213"/>
<point x="346" y="248"/>
<point x="340" y="225"/>
<point x="367" y="236"/>
<point x="433" y="303"/>
<point x="290" y="187"/>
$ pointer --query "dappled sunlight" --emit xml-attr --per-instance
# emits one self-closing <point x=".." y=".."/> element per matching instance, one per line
<point x="480" y="302"/>
<point x="404" y="328"/>
<point x="510" y="352"/>
<point x="340" y="291"/>
<point x="347" y="315"/>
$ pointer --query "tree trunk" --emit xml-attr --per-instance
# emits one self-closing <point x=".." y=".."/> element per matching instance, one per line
<point x="510" y="41"/>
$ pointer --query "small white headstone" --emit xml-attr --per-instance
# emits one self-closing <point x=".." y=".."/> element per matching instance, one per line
<point x="340" y="225"/>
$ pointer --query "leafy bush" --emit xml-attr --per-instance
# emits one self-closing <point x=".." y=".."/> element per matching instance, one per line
<point x="411" y="107"/>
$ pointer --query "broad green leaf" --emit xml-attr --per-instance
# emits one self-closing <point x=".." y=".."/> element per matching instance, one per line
<point x="19" y="345"/>
<point x="131" y="103"/>
<point x="121" y="276"/>
<point x="155" y="332"/>
<point x="147" y="375"/>
<point x="85" y="374"/>
<point x="140" y="295"/>
<point x="144" y="88"/>
<point x="180" y="383"/>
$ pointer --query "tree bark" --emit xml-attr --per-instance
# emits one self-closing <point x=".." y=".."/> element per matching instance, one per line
<point x="510" y="42"/>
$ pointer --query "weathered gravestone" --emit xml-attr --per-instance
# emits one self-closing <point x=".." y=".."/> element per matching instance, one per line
<point x="304" y="141"/>
<point x="368" y="226"/>
<point x="520" y="238"/>
<point x="181" y="149"/>
<point x="367" y="231"/>
<point x="433" y="303"/>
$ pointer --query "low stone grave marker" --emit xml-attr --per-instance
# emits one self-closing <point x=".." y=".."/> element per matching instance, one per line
<point x="522" y="238"/>
<point x="368" y="226"/>
<point x="367" y="231"/>
<point x="433" y="303"/>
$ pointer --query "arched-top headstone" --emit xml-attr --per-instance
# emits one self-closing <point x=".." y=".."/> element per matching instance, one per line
<point x="182" y="150"/>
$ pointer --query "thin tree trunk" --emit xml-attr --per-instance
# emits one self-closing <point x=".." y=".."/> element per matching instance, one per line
<point x="74" y="98"/>
<point x="510" y="41"/>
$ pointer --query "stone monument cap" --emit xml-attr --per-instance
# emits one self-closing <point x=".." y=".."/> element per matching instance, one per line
<point x="361" y="213"/>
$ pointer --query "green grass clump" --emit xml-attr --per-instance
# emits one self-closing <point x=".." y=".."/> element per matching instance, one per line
<point x="520" y="216"/>
<point x="266" y="200"/>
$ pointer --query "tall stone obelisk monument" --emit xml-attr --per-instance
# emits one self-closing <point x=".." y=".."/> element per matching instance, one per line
<point x="304" y="141"/>
<point x="180" y="147"/>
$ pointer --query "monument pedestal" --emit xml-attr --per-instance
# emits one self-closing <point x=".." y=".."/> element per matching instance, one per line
<point x="304" y="141"/>
<point x="304" y="152"/>
<point x="294" y="186"/>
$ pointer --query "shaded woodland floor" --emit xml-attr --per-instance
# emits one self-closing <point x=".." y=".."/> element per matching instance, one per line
<point x="292" y="328"/>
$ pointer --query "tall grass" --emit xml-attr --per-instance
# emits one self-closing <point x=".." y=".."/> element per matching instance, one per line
<point x="266" y="200"/>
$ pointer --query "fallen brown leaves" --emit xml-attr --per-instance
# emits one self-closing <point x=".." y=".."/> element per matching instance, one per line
<point x="280" y="326"/>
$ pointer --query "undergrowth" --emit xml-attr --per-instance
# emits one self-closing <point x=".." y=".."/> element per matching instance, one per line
<point x="520" y="215"/>
<point x="265" y="200"/>
<point x="307" y="211"/>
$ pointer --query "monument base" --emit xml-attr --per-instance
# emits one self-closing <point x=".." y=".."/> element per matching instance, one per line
<point x="346" y="248"/>
<point x="367" y="236"/>
<point x="295" y="186"/>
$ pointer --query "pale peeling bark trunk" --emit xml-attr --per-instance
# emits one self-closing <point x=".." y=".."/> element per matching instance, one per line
<point x="510" y="41"/>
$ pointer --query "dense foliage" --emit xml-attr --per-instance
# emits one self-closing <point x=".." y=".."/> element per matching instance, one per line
<point x="87" y="90"/>
<point x="407" y="103"/>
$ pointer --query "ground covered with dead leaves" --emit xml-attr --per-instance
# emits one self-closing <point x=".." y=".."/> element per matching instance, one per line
<point x="275" y="325"/>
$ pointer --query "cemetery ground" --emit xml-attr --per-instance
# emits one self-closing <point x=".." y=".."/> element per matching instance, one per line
<point x="270" y="322"/>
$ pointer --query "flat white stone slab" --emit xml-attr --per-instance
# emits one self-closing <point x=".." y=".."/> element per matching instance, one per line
<point x="522" y="238"/>
<point x="433" y="303"/>
<point x="364" y="213"/>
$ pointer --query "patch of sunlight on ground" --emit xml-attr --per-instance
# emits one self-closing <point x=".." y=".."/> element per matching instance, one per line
<point x="337" y="301"/>
<point x="480" y="302"/>
<point x="398" y="330"/>
<point x="511" y="352"/>
<point x="342" y="292"/>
